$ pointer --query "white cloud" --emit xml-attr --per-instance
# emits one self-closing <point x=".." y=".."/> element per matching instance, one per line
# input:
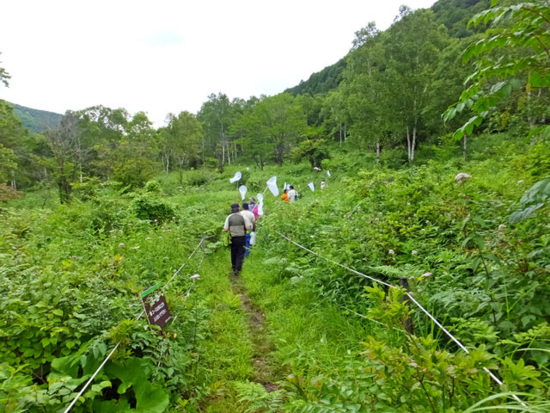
<point x="168" y="56"/>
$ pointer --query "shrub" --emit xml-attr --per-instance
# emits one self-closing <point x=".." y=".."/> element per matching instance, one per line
<point x="210" y="163"/>
<point x="7" y="193"/>
<point x="149" y="207"/>
<point x="152" y="186"/>
<point x="198" y="178"/>
<point x="87" y="189"/>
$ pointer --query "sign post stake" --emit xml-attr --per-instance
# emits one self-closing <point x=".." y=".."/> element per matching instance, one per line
<point x="407" y="324"/>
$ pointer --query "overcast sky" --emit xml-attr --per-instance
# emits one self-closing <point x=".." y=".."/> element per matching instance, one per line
<point x="168" y="56"/>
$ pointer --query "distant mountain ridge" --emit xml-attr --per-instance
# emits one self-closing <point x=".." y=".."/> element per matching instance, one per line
<point x="454" y="14"/>
<point x="36" y="120"/>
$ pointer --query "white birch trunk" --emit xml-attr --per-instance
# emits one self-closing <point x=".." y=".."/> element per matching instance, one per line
<point x="408" y="144"/>
<point x="13" y="182"/>
<point x="413" y="144"/>
<point x="228" y="155"/>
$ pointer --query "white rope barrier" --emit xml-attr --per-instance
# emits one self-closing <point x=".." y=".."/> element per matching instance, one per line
<point x="462" y="346"/>
<point x="373" y="320"/>
<point x="334" y="262"/>
<point x="91" y="379"/>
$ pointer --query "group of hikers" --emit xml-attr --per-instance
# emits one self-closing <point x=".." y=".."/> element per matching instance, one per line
<point x="241" y="226"/>
<point x="290" y="195"/>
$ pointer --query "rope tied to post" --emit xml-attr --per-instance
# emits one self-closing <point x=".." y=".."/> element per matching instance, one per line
<point x="409" y="295"/>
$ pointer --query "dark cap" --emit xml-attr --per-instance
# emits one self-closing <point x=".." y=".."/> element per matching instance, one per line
<point x="245" y="205"/>
<point x="234" y="208"/>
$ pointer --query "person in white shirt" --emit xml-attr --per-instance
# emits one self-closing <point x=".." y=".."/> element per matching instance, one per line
<point x="292" y="194"/>
<point x="250" y="220"/>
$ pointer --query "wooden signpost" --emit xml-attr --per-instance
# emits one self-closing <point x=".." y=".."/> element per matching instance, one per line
<point x="156" y="306"/>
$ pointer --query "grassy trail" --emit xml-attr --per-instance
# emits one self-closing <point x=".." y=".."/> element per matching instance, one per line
<point x="235" y="355"/>
<point x="263" y="371"/>
<point x="268" y="328"/>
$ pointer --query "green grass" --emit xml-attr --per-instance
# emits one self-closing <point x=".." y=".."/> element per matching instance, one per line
<point x="313" y="339"/>
<point x="227" y="351"/>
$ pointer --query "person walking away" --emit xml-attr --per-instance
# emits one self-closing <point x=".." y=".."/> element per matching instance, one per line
<point x="237" y="226"/>
<point x="292" y="194"/>
<point x="250" y="216"/>
<point x="252" y="207"/>
<point x="284" y="197"/>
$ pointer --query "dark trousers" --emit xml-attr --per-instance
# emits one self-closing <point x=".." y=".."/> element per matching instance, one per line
<point x="237" y="253"/>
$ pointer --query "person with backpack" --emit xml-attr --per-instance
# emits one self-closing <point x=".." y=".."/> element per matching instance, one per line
<point x="292" y="194"/>
<point x="237" y="225"/>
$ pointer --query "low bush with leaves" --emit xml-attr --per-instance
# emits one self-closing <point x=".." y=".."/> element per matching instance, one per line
<point x="151" y="208"/>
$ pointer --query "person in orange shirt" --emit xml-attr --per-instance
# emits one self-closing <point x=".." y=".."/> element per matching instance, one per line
<point x="284" y="197"/>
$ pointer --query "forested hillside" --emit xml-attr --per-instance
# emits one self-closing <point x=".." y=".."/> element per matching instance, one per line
<point x="37" y="121"/>
<point x="454" y="14"/>
<point x="409" y="274"/>
<point x="322" y="82"/>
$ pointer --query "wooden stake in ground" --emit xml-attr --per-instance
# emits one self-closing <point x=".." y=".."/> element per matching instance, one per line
<point x="407" y="324"/>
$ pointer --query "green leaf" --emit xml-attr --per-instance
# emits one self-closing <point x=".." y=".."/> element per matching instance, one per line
<point x="522" y="214"/>
<point x="101" y="386"/>
<point x="58" y="312"/>
<point x="150" y="398"/>
<point x="539" y="192"/>
<point x="538" y="79"/>
<point x="65" y="366"/>
<point x="111" y="406"/>
<point x="130" y="372"/>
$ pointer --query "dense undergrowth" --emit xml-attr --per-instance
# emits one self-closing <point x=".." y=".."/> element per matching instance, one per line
<point x="70" y="287"/>
<point x="71" y="277"/>
<point x="468" y="260"/>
